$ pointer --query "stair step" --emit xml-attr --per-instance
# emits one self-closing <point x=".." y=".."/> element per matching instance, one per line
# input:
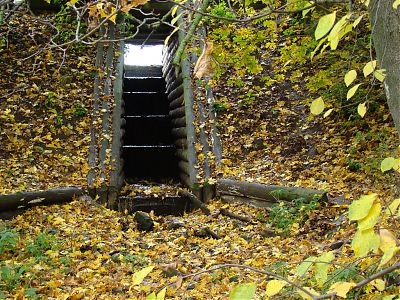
<point x="146" y="71"/>
<point x="148" y="130"/>
<point x="171" y="205"/>
<point x="145" y="103"/>
<point x="150" y="162"/>
<point x="144" y="84"/>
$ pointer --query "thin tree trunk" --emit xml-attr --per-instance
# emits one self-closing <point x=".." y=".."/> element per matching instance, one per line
<point x="385" y="22"/>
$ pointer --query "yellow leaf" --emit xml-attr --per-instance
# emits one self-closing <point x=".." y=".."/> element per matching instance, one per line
<point x="369" y="68"/>
<point x="138" y="277"/>
<point x="371" y="219"/>
<point x="379" y="284"/>
<point x="391" y="209"/>
<point x="341" y="288"/>
<point x="274" y="287"/>
<point x="380" y="74"/>
<point x="325" y="24"/>
<point x="357" y="21"/>
<point x="114" y="16"/>
<point x="352" y="91"/>
<point x="317" y="106"/>
<point x="387" y="164"/>
<point x="350" y="77"/>
<point x="322" y="265"/>
<point x="364" y="241"/>
<point x="396" y="4"/>
<point x="362" y="109"/>
<point x="328" y="112"/>
<point x="387" y="240"/>
<point x="305" y="296"/>
<point x="388" y="255"/>
<point x="359" y="209"/>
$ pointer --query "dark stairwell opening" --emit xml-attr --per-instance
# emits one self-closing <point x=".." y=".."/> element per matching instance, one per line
<point x="148" y="148"/>
<point x="148" y="145"/>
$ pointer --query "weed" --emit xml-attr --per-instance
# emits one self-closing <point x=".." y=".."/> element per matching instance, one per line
<point x="79" y="110"/>
<point x="11" y="277"/>
<point x="41" y="244"/>
<point x="284" y="214"/>
<point x="8" y="240"/>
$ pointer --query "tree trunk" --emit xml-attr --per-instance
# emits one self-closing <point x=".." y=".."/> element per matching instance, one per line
<point x="385" y="22"/>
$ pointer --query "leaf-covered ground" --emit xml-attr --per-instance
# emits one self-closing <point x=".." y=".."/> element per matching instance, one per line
<point x="84" y="251"/>
<point x="45" y="97"/>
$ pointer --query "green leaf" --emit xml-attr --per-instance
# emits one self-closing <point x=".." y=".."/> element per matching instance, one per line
<point x="359" y="209"/>
<point x="387" y="164"/>
<point x="161" y="294"/>
<point x="369" y="68"/>
<point x="302" y="269"/>
<point x="138" y="277"/>
<point x="322" y="266"/>
<point x="152" y="296"/>
<point x="352" y="91"/>
<point x="317" y="106"/>
<point x="325" y="24"/>
<point x="245" y="291"/>
<point x="364" y="241"/>
<point x="371" y="219"/>
<point x="274" y="287"/>
<point x="362" y="109"/>
<point x="350" y="77"/>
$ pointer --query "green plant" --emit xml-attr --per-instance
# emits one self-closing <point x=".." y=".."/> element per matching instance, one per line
<point x="8" y="240"/>
<point x="41" y="244"/>
<point x="11" y="277"/>
<point x="284" y="214"/>
<point x="79" y="110"/>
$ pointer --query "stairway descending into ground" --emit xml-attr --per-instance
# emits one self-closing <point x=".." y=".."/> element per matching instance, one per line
<point x="148" y="149"/>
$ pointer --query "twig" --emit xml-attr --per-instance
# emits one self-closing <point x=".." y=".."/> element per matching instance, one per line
<point x="227" y="213"/>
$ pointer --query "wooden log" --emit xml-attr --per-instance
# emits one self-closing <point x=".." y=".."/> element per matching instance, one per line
<point x="271" y="193"/>
<point x="93" y="159"/>
<point x="246" y="200"/>
<point x="184" y="178"/>
<point x="179" y="122"/>
<point x="116" y="177"/>
<point x="215" y="137"/>
<point x="190" y="118"/>
<point x="176" y="93"/>
<point x="177" y="112"/>
<point x="174" y="83"/>
<point x="29" y="199"/>
<point x="196" y="203"/>
<point x="190" y="31"/>
<point x="182" y="154"/>
<point x="105" y="108"/>
<point x="184" y="166"/>
<point x="179" y="132"/>
<point x="181" y="143"/>
<point x="178" y="102"/>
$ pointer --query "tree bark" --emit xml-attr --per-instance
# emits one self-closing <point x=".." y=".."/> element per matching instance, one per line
<point x="29" y="199"/>
<point x="385" y="22"/>
<point x="268" y="193"/>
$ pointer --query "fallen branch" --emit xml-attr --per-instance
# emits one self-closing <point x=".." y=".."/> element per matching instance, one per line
<point x="207" y="232"/>
<point x="196" y="203"/>
<point x="227" y="213"/>
<point x="29" y="199"/>
<point x="268" y="193"/>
